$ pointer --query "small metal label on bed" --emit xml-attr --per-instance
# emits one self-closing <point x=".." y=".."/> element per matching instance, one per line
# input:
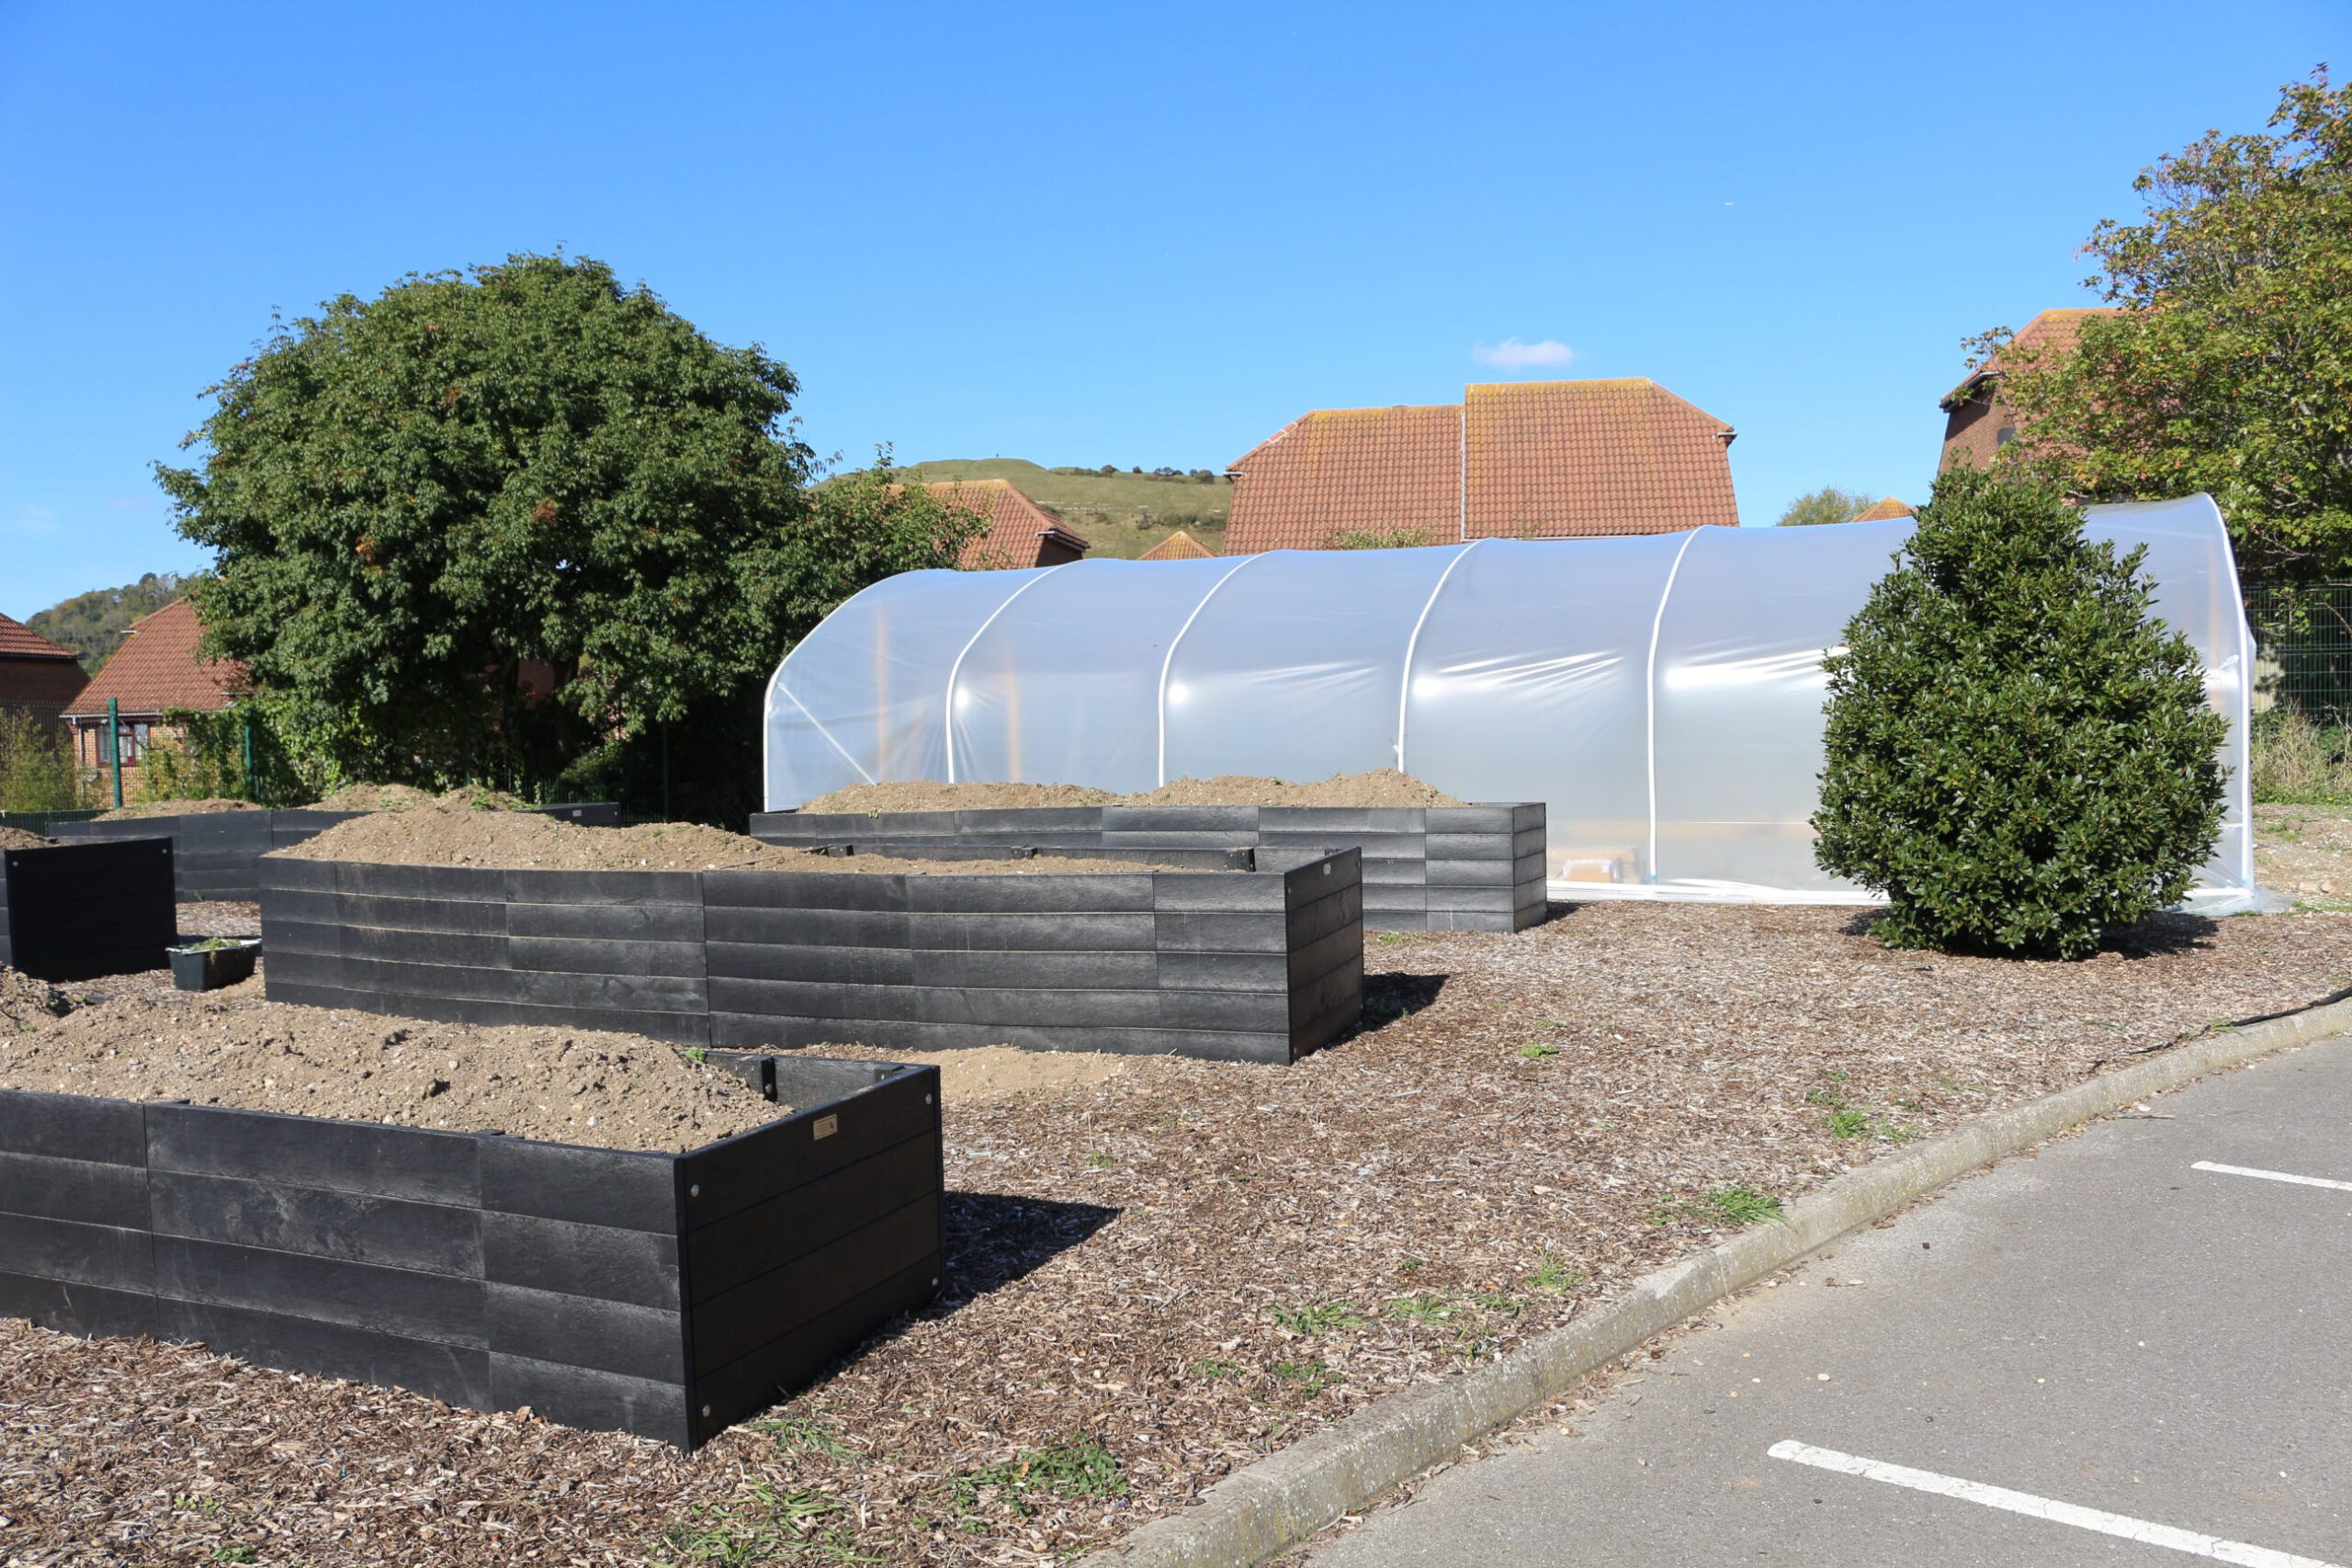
<point x="826" y="1126"/>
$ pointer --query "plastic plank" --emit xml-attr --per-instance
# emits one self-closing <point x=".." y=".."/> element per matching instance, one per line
<point x="432" y="1238"/>
<point x="458" y="1374"/>
<point x="635" y="1265"/>
<point x="583" y="1331"/>
<point x="416" y="1164"/>
<point x="580" y="1396"/>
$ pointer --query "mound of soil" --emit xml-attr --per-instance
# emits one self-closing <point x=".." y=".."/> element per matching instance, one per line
<point x="921" y="796"/>
<point x="175" y="808"/>
<point x="568" y="1086"/>
<point x="27" y="1003"/>
<point x="18" y="839"/>
<point x="441" y="834"/>
<point x="408" y="797"/>
<point x="1382" y="786"/>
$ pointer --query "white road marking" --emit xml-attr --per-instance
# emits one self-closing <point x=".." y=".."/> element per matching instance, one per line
<point x="2271" y="1176"/>
<point x="2025" y="1502"/>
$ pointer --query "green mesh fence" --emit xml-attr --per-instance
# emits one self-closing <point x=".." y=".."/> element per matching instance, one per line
<point x="2303" y="639"/>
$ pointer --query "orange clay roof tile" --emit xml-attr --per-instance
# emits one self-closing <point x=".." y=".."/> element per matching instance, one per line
<point x="1520" y="459"/>
<point x="156" y="670"/>
<point x="1179" y="546"/>
<point x="2050" y="333"/>
<point x="1018" y="527"/>
<point x="18" y="641"/>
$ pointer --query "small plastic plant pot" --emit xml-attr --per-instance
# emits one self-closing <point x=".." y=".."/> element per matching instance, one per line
<point x="209" y="968"/>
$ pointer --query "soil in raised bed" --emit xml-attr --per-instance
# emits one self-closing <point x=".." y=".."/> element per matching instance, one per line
<point x="199" y="807"/>
<point x="456" y="836"/>
<point x="18" y="839"/>
<point x="563" y="1085"/>
<point x="1382" y="786"/>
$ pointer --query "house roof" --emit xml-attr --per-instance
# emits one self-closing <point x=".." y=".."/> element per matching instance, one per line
<point x="1016" y="523"/>
<point x="2052" y="331"/>
<point x="156" y="670"/>
<point x="1570" y="459"/>
<point x="1393" y="472"/>
<point x="1521" y="459"/>
<point x="1179" y="546"/>
<point x="1883" y="511"/>
<point x="19" y="641"/>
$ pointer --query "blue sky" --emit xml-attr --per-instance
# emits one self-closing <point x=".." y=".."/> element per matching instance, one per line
<point x="1089" y="234"/>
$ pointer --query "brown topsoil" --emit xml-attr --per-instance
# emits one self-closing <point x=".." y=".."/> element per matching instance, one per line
<point x="1190" y="1264"/>
<point x="1382" y="786"/>
<point x="18" y="839"/>
<point x="561" y="1085"/>
<point x="175" y="808"/>
<point x="441" y="834"/>
<point x="406" y="797"/>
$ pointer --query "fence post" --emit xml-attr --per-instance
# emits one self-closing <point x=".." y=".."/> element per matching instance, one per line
<point x="248" y="757"/>
<point x="114" y="746"/>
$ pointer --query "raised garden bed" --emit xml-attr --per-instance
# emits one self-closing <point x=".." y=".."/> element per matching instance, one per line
<point x="664" y="1294"/>
<point x="1425" y="867"/>
<point x="218" y="852"/>
<point x="1245" y="965"/>
<point x="77" y="912"/>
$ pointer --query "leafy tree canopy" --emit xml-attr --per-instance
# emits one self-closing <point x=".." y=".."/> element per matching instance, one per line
<point x="1827" y="504"/>
<point x="413" y="495"/>
<point x="2017" y="756"/>
<point x="2229" y="369"/>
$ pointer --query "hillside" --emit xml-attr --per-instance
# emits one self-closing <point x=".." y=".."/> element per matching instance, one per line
<point x="1121" y="515"/>
<point x="92" y="623"/>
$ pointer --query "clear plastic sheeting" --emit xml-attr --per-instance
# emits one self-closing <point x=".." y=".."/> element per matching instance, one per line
<point x="1661" y="694"/>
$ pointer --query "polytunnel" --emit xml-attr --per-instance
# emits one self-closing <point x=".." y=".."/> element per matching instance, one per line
<point x="1660" y="693"/>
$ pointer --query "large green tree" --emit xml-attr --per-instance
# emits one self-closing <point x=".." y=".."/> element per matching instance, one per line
<point x="414" y="495"/>
<point x="2230" y="367"/>
<point x="1827" y="504"/>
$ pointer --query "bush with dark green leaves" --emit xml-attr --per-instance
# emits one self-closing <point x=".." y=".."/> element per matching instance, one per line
<point x="2018" y="756"/>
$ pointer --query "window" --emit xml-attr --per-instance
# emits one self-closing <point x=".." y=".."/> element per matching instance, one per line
<point x="2004" y="436"/>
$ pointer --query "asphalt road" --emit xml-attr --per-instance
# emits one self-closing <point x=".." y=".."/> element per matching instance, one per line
<point x="2074" y="1349"/>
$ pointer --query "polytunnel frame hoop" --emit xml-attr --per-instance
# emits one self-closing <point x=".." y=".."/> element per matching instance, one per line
<point x="1649" y="689"/>
<point x="1413" y="643"/>
<point x="956" y="668"/>
<point x="1159" y="700"/>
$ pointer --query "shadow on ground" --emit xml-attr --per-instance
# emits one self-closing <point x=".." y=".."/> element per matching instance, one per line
<point x="994" y="1238"/>
<point x="2158" y="936"/>
<point x="1390" y="995"/>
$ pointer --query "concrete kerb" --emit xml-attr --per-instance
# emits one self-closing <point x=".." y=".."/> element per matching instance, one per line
<point x="1286" y="1498"/>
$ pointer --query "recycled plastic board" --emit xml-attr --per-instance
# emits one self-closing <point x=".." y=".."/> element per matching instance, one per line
<point x="219" y="852"/>
<point x="78" y="911"/>
<point x="1260" y="966"/>
<point x="1489" y="859"/>
<point x="669" y="1296"/>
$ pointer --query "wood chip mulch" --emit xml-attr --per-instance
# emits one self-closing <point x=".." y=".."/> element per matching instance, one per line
<point x="1162" y="1276"/>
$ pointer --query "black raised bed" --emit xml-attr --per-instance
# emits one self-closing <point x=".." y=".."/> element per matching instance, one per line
<point x="1260" y="966"/>
<point x="1425" y="868"/>
<point x="219" y="850"/>
<point x="77" y="912"/>
<point x="669" y="1296"/>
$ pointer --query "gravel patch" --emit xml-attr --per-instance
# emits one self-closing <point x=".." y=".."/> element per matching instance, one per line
<point x="1165" y="1273"/>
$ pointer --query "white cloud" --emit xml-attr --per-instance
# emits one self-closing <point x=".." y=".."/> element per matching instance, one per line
<point x="1512" y="354"/>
